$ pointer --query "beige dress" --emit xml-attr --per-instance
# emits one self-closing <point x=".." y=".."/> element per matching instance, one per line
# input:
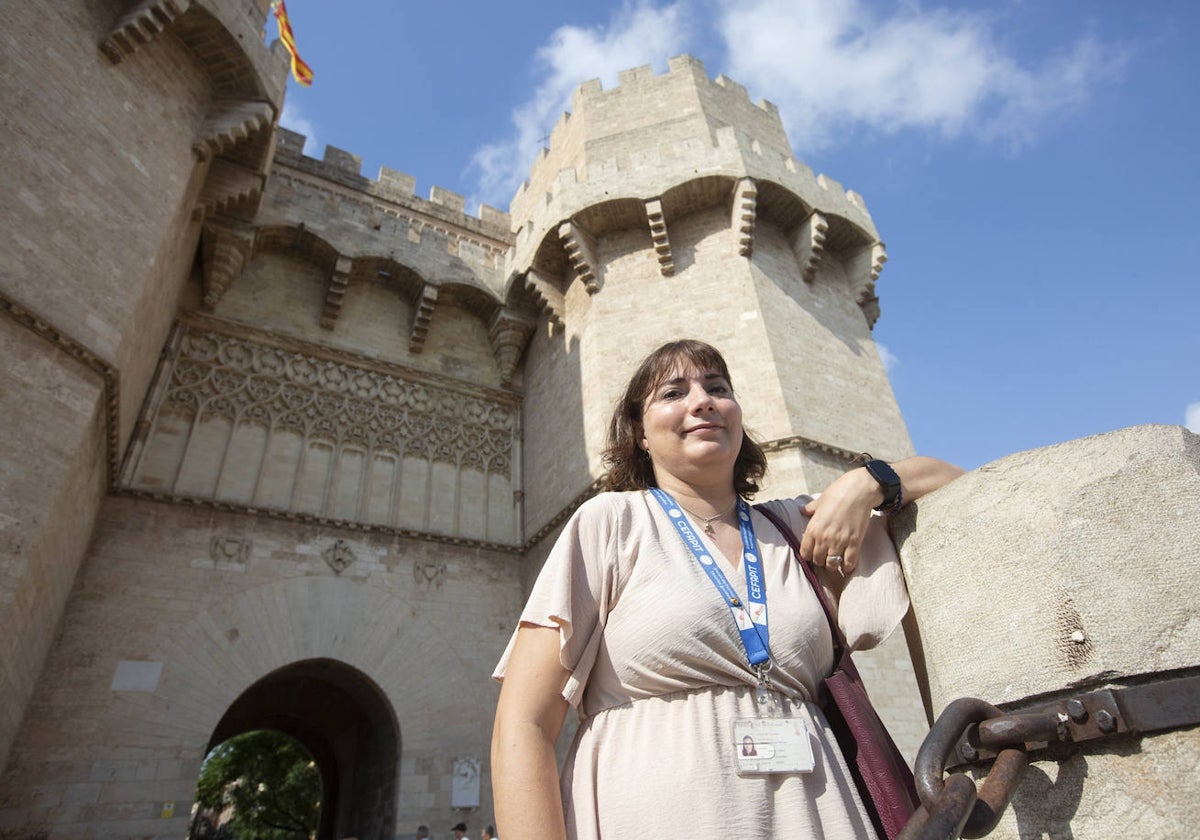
<point x="659" y="674"/>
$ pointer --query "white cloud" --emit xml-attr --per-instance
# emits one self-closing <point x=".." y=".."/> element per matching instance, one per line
<point x="637" y="35"/>
<point x="1191" y="417"/>
<point x="294" y="120"/>
<point x="889" y="359"/>
<point x="833" y="65"/>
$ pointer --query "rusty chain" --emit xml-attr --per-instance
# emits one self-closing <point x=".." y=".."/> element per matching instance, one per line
<point x="970" y="730"/>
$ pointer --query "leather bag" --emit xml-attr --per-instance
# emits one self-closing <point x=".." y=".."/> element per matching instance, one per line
<point x="884" y="779"/>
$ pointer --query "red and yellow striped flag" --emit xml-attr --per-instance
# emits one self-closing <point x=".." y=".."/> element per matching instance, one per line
<point x="301" y="72"/>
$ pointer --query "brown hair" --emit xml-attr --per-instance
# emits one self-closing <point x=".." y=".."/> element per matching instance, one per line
<point x="628" y="465"/>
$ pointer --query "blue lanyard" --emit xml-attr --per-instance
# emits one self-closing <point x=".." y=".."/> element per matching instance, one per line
<point x="751" y="617"/>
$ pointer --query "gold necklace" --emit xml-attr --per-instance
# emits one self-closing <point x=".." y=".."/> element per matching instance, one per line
<point x="707" y="527"/>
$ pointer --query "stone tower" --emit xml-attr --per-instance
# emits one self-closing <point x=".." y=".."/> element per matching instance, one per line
<point x="284" y="444"/>
<point x="671" y="206"/>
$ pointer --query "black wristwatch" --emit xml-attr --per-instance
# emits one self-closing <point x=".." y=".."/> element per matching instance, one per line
<point x="882" y="472"/>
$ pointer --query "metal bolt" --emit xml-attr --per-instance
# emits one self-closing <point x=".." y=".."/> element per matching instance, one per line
<point x="1105" y="721"/>
<point x="1076" y="711"/>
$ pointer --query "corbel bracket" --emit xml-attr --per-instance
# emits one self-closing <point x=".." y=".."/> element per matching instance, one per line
<point x="809" y="244"/>
<point x="339" y="280"/>
<point x="143" y="22"/>
<point x="230" y="122"/>
<point x="745" y="214"/>
<point x="863" y="268"/>
<point x="422" y="314"/>
<point x="223" y="254"/>
<point x="550" y="300"/>
<point x="508" y="334"/>
<point x="581" y="251"/>
<point x="658" y="233"/>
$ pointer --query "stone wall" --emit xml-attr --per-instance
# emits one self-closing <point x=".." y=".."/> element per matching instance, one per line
<point x="54" y="473"/>
<point x="100" y="182"/>
<point x="203" y="604"/>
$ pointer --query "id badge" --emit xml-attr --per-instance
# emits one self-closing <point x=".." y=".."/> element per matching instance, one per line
<point x="772" y="745"/>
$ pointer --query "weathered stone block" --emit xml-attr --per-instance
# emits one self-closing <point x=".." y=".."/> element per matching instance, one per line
<point x="1056" y="572"/>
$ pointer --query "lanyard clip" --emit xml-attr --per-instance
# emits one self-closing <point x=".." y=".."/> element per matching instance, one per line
<point x="762" y="669"/>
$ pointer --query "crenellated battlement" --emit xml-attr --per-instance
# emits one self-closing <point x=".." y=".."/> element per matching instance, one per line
<point x="652" y="133"/>
<point x="634" y="80"/>
<point x="345" y="168"/>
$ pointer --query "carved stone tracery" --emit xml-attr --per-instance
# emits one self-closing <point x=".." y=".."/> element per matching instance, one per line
<point x="250" y="383"/>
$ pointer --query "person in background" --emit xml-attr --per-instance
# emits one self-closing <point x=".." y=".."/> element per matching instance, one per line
<point x="460" y="830"/>
<point x="488" y="833"/>
<point x="422" y="832"/>
<point x="650" y="617"/>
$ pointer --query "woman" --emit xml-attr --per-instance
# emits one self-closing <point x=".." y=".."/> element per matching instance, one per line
<point x="666" y="661"/>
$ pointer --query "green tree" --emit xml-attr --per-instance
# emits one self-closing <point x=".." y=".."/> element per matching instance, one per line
<point x="267" y="782"/>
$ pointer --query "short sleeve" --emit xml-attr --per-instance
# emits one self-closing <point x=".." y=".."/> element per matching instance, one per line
<point x="873" y="599"/>
<point x="577" y="588"/>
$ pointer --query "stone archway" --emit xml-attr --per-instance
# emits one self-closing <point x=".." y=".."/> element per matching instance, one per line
<point x="346" y="723"/>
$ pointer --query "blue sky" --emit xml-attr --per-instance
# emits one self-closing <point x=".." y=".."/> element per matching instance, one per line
<point x="1032" y="167"/>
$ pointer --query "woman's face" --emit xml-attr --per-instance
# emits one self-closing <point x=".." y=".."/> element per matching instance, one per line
<point x="692" y="426"/>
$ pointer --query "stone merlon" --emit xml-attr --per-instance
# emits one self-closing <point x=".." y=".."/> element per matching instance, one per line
<point x="345" y="168"/>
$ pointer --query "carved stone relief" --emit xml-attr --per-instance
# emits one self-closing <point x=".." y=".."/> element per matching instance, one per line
<point x="429" y="572"/>
<point x="229" y="550"/>
<point x="261" y="421"/>
<point x="339" y="556"/>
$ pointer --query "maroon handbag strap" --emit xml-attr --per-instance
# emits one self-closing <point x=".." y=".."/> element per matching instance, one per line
<point x="789" y="535"/>
<point x="879" y="770"/>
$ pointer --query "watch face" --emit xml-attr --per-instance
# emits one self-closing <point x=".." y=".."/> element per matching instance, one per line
<point x="882" y="472"/>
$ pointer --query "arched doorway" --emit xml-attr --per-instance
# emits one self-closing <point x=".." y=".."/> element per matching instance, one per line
<point x="346" y="723"/>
